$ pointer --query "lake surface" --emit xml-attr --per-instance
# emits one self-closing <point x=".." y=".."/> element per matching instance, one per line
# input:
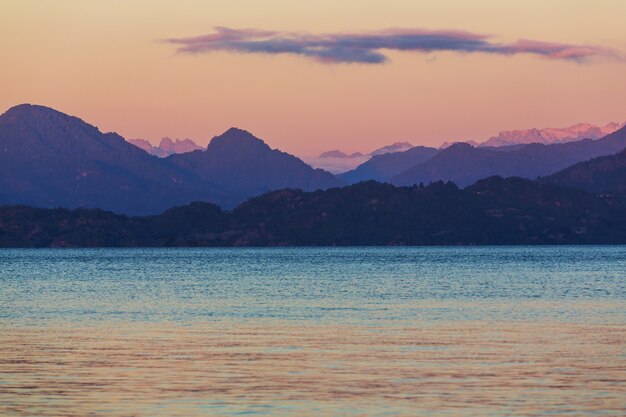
<point x="313" y="331"/>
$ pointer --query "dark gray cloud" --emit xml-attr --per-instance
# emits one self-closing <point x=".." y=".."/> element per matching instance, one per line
<point x="367" y="48"/>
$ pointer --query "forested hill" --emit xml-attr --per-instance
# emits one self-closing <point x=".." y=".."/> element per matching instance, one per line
<point x="492" y="211"/>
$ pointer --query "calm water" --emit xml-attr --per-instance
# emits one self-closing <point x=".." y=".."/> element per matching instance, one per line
<point x="315" y="331"/>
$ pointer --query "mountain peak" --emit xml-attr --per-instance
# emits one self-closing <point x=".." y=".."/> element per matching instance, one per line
<point x="335" y="153"/>
<point x="237" y="132"/>
<point x="167" y="146"/>
<point x="27" y="107"/>
<point x="402" y="144"/>
<point x="395" y="147"/>
<point x="53" y="126"/>
<point x="35" y="111"/>
<point x="235" y="137"/>
<point x="447" y="144"/>
<point x="459" y="146"/>
<point x="239" y="161"/>
<point x="20" y="108"/>
<point x="166" y="141"/>
<point x="170" y="146"/>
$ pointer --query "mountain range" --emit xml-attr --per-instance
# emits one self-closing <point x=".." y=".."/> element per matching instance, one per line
<point x="394" y="147"/>
<point x="341" y="163"/>
<point x="464" y="164"/>
<point x="338" y="154"/>
<point x="167" y="146"/>
<point x="50" y="159"/>
<point x="547" y="136"/>
<point x="551" y="135"/>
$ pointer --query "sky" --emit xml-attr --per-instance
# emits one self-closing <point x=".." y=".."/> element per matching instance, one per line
<point x="312" y="76"/>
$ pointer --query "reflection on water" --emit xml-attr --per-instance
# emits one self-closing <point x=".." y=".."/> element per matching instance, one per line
<point x="273" y="368"/>
<point x="310" y="332"/>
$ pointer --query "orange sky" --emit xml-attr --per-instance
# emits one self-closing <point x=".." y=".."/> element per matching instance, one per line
<point x="104" y="62"/>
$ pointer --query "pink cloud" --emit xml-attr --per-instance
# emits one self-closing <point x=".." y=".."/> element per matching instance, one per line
<point x="369" y="47"/>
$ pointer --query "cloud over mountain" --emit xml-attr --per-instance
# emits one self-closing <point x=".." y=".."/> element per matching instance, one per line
<point x="369" y="47"/>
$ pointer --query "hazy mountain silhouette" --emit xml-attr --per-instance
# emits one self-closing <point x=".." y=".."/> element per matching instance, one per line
<point x="178" y="145"/>
<point x="50" y="159"/>
<point x="245" y="165"/>
<point x="167" y="146"/>
<point x="605" y="174"/>
<point x="447" y="144"/>
<point x="339" y="162"/>
<point x="394" y="147"/>
<point x="336" y="153"/>
<point x="384" y="166"/>
<point x="148" y="147"/>
<point x="464" y="164"/>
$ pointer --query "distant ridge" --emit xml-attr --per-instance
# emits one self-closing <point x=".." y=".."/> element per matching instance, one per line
<point x="338" y="154"/>
<point x="464" y="164"/>
<point x="394" y="147"/>
<point x="339" y="162"/>
<point x="358" y="167"/>
<point x="167" y="146"/>
<point x="549" y="136"/>
<point x="384" y="166"/>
